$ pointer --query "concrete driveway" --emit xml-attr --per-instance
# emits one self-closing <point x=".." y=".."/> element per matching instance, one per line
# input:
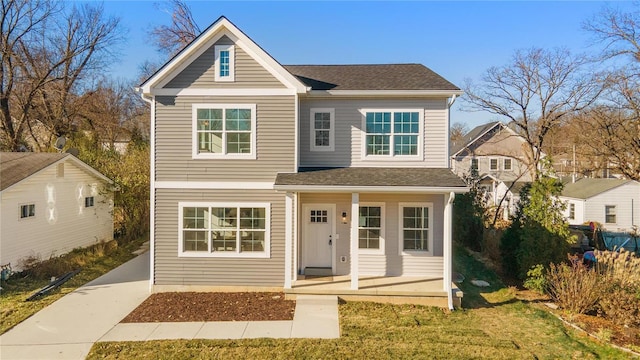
<point x="68" y="328"/>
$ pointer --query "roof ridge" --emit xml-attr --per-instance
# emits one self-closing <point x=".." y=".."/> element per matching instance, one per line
<point x="360" y="64"/>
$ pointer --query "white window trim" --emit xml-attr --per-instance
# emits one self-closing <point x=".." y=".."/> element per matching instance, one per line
<point x="497" y="164"/>
<point x="232" y="57"/>
<point x="194" y="132"/>
<point x="208" y="254"/>
<point x="504" y="166"/>
<point x="363" y="138"/>
<point x="615" y="208"/>
<point x="383" y="220"/>
<point x="401" y="229"/>
<point x="312" y="129"/>
<point x="20" y="218"/>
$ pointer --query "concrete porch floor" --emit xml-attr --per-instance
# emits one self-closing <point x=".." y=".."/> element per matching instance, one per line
<point x="386" y="289"/>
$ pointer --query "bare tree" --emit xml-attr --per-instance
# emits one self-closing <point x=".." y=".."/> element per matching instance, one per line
<point x="170" y="39"/>
<point x="535" y="92"/>
<point x="458" y="130"/>
<point x="47" y="51"/>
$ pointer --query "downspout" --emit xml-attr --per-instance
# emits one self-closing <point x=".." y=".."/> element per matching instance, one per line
<point x="152" y="185"/>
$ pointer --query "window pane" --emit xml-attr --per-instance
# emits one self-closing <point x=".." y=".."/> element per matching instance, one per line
<point x="322" y="138"/>
<point x="195" y="218"/>
<point x="194" y="240"/>
<point x="223" y="218"/>
<point x="224" y="63"/>
<point x="210" y="142"/>
<point x="369" y="238"/>
<point x="415" y="228"/>
<point x="507" y="164"/>
<point x="406" y="144"/>
<point x="252" y="218"/>
<point x="252" y="241"/>
<point x="238" y="143"/>
<point x="223" y="241"/>
<point x="378" y="123"/>
<point x="405" y="123"/>
<point x="378" y="144"/>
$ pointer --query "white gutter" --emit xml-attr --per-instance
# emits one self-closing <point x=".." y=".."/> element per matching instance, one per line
<point x="447" y="93"/>
<point x="152" y="185"/>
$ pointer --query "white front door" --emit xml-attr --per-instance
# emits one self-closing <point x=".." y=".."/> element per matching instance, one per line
<point x="318" y="239"/>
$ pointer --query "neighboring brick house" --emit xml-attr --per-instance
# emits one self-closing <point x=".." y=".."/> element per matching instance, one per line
<point x="263" y="174"/>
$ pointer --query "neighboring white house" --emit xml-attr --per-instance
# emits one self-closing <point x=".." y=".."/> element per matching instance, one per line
<point x="51" y="203"/>
<point x="614" y="203"/>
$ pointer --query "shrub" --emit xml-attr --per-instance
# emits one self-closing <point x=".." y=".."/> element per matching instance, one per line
<point x="620" y="272"/>
<point x="469" y="214"/>
<point x="573" y="287"/>
<point x="536" y="279"/>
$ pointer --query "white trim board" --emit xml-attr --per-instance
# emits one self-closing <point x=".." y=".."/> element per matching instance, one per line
<point x="214" y="185"/>
<point x="223" y="92"/>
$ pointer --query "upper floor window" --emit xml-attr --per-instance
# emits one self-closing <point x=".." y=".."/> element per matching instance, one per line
<point x="322" y="129"/>
<point x="27" y="211"/>
<point x="392" y="133"/>
<point x="506" y="165"/>
<point x="610" y="214"/>
<point x="224" y="229"/>
<point x="88" y="201"/>
<point x="493" y="164"/>
<point x="474" y="164"/>
<point x="224" y="63"/>
<point x="224" y="131"/>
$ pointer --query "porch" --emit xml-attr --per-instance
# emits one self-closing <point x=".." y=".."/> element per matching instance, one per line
<point x="385" y="289"/>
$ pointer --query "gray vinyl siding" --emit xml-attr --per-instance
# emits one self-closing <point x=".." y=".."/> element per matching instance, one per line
<point x="170" y="269"/>
<point x="201" y="72"/>
<point x="275" y="124"/>
<point x="348" y="132"/>
<point x="391" y="263"/>
<point x="626" y="198"/>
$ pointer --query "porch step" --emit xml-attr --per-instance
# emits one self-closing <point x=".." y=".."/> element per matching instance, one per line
<point x="317" y="271"/>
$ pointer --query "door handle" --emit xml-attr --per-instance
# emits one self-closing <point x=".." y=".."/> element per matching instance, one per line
<point x="330" y="240"/>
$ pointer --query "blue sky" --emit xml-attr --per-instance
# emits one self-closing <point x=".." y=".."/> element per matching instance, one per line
<point x="456" y="39"/>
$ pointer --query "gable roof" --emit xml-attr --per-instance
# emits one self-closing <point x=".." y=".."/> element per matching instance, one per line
<point x="587" y="188"/>
<point x="208" y="37"/>
<point x="471" y="137"/>
<point x="370" y="77"/>
<point x="17" y="166"/>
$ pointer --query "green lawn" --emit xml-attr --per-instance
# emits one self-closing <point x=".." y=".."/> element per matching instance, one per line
<point x="493" y="325"/>
<point x="13" y="307"/>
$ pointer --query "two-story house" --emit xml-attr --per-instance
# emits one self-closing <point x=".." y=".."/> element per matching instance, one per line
<point x="264" y="174"/>
<point x="499" y="155"/>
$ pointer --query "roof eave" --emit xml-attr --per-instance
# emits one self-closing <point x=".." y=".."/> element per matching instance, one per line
<point x="433" y="93"/>
<point x="374" y="189"/>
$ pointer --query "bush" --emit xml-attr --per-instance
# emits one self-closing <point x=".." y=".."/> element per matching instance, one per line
<point x="620" y="272"/>
<point x="536" y="280"/>
<point x="469" y="215"/>
<point x="574" y="287"/>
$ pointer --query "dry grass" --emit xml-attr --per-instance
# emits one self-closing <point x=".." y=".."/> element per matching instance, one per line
<point x="619" y="273"/>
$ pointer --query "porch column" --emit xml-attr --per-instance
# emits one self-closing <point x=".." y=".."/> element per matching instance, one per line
<point x="288" y="239"/>
<point x="447" y="247"/>
<point x="355" y="211"/>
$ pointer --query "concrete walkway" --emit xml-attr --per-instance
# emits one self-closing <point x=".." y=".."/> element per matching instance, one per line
<point x="68" y="328"/>
<point x="316" y="316"/>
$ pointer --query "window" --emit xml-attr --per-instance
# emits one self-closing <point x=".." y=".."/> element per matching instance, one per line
<point x="236" y="230"/>
<point x="322" y="130"/>
<point x="27" y="211"/>
<point x="88" y="201"/>
<point x="224" y="131"/>
<point x="474" y="164"/>
<point x="572" y="211"/>
<point x="224" y="63"/>
<point x="319" y="216"/>
<point x="415" y="228"/>
<point x="493" y="164"/>
<point x="610" y="214"/>
<point x="392" y="133"/>
<point x="371" y="227"/>
<point x="506" y="165"/>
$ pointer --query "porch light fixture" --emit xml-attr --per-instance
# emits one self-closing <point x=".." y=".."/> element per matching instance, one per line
<point x="344" y="217"/>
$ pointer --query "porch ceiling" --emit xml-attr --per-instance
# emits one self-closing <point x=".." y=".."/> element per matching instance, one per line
<point x="364" y="178"/>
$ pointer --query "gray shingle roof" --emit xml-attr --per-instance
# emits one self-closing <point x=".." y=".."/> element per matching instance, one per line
<point x="469" y="137"/>
<point x="363" y="177"/>
<point x="370" y="77"/>
<point x="17" y="166"/>
<point x="587" y="188"/>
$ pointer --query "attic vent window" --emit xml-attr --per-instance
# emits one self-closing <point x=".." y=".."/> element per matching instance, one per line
<point x="224" y="63"/>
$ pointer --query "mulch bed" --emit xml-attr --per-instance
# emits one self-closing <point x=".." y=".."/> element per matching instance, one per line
<point x="212" y="306"/>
